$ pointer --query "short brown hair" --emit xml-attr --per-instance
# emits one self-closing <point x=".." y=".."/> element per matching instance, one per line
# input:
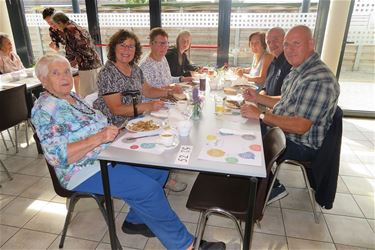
<point x="262" y="37"/>
<point x="119" y="37"/>
<point x="157" y="32"/>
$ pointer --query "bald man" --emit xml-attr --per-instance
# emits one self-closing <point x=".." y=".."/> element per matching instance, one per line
<point x="279" y="67"/>
<point x="305" y="109"/>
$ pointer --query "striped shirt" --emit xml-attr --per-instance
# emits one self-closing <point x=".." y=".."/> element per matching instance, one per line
<point x="310" y="91"/>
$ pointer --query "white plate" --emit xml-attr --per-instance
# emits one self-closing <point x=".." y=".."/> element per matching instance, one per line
<point x="144" y="119"/>
<point x="163" y="113"/>
<point x="175" y="143"/>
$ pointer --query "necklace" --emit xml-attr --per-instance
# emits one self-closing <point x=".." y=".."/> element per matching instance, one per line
<point x="88" y="111"/>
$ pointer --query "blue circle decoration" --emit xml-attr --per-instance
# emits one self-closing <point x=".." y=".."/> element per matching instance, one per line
<point x="247" y="155"/>
<point x="148" y="145"/>
<point x="248" y="137"/>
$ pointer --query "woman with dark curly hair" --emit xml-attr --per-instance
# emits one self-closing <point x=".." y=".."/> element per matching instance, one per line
<point x="121" y="74"/>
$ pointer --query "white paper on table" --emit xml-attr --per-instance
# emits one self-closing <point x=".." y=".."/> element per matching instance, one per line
<point x="233" y="117"/>
<point x="147" y="144"/>
<point x="235" y="149"/>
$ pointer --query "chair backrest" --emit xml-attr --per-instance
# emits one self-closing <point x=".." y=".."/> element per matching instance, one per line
<point x="13" y="107"/>
<point x="60" y="190"/>
<point x="274" y="144"/>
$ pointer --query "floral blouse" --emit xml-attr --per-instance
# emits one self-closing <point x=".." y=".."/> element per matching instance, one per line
<point x="57" y="124"/>
<point x="80" y="48"/>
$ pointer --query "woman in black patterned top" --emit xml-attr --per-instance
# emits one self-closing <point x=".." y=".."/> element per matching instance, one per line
<point x="57" y="36"/>
<point x="121" y="74"/>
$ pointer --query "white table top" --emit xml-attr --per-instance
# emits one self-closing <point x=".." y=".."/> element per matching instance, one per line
<point x="6" y="81"/>
<point x="208" y="123"/>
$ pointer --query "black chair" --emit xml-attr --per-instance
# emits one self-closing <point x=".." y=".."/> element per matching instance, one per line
<point x="321" y="174"/>
<point x="229" y="195"/>
<point x="14" y="109"/>
<point x="72" y="196"/>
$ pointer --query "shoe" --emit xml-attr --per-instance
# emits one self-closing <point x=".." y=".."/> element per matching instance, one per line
<point x="175" y="186"/>
<point x="130" y="228"/>
<point x="206" y="245"/>
<point x="277" y="193"/>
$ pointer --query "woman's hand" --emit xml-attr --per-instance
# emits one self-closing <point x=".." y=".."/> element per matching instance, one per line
<point x="239" y="72"/>
<point x="175" y="89"/>
<point x="154" y="105"/>
<point x="108" y="133"/>
<point x="187" y="79"/>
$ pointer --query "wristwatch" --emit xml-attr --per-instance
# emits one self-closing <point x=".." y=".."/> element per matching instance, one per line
<point x="262" y="115"/>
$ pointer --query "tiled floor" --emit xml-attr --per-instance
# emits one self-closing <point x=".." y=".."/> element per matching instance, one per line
<point x="32" y="216"/>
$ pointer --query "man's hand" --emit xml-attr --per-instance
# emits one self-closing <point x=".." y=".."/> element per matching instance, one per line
<point x="175" y="89"/>
<point x="250" y="95"/>
<point x="155" y="105"/>
<point x="250" y="111"/>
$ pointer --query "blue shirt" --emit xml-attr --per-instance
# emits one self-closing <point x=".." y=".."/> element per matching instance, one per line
<point x="57" y="124"/>
<point x="310" y="91"/>
<point x="276" y="73"/>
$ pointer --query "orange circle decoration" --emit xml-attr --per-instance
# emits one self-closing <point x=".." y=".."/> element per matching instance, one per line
<point x="211" y="137"/>
<point x="215" y="152"/>
<point x="255" y="147"/>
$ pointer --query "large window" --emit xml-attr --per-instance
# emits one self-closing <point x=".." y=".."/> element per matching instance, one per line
<point x="248" y="17"/>
<point x="198" y="17"/>
<point x="357" y="75"/>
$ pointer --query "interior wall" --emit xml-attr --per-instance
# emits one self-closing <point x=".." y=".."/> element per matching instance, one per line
<point x="4" y="20"/>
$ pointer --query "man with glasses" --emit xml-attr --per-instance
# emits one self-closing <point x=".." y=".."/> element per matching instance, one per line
<point x="308" y="100"/>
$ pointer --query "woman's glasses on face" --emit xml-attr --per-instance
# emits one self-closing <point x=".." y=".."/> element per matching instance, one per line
<point x="160" y="44"/>
<point x="125" y="46"/>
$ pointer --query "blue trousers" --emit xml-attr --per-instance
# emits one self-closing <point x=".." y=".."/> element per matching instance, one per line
<point x="293" y="151"/>
<point x="142" y="189"/>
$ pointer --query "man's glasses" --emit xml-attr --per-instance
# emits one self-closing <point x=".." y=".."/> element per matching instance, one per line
<point x="160" y="44"/>
<point x="124" y="46"/>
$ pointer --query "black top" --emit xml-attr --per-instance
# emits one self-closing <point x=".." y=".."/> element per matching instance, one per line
<point x="277" y="71"/>
<point x="176" y="68"/>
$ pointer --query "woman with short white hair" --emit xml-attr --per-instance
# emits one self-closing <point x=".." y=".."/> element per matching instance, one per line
<point x="9" y="60"/>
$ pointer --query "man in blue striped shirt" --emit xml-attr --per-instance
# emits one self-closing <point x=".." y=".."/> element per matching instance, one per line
<point x="308" y="100"/>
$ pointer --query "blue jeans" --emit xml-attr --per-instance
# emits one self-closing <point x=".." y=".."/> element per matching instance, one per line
<point x="142" y="189"/>
<point x="293" y="151"/>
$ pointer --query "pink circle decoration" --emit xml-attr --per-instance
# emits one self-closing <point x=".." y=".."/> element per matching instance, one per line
<point x="255" y="147"/>
<point x="134" y="147"/>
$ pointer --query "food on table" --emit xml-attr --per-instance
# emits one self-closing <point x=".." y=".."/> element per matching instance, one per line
<point x="232" y="104"/>
<point x="179" y="96"/>
<point x="143" y="126"/>
<point x="230" y="91"/>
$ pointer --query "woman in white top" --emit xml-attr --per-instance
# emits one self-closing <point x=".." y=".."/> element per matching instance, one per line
<point x="261" y="60"/>
<point x="9" y="60"/>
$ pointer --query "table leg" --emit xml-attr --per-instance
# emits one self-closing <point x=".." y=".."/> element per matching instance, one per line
<point x="249" y="224"/>
<point x="109" y="205"/>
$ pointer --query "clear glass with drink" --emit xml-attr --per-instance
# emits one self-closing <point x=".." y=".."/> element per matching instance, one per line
<point x="219" y="104"/>
<point x="202" y="82"/>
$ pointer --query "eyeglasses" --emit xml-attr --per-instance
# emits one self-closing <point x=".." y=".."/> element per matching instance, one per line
<point x="161" y="44"/>
<point x="124" y="46"/>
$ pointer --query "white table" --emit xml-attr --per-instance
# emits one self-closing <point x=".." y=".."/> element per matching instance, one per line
<point x="208" y="123"/>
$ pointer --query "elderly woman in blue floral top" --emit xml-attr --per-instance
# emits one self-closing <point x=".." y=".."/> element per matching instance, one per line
<point x="72" y="135"/>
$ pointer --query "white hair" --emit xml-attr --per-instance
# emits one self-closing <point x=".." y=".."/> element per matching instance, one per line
<point x="41" y="67"/>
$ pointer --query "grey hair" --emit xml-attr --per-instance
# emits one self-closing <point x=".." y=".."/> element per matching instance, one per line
<point x="58" y="17"/>
<point x="41" y="67"/>
<point x="279" y="29"/>
<point x="2" y="37"/>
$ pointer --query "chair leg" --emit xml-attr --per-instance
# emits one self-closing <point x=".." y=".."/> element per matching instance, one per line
<point x="16" y="138"/>
<point x="203" y="221"/>
<point x="270" y="189"/>
<point x="100" y="202"/>
<point x="5" y="144"/>
<point x="26" y="132"/>
<point x="10" y="137"/>
<point x="72" y="203"/>
<point x="6" y="170"/>
<point x="311" y="194"/>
